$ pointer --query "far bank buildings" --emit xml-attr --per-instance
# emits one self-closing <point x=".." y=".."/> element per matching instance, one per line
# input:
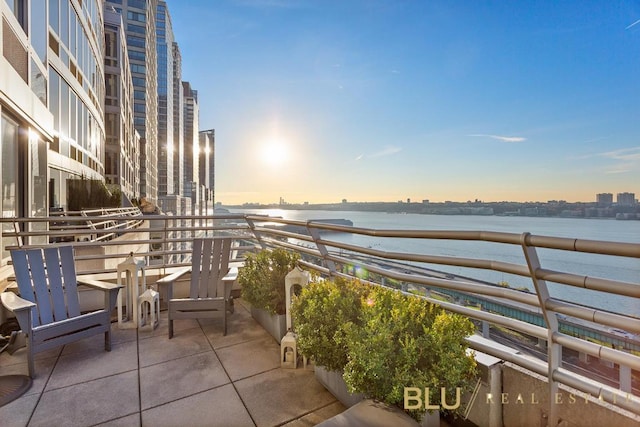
<point x="93" y="88"/>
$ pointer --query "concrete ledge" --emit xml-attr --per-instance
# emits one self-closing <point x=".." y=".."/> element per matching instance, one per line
<point x="370" y="413"/>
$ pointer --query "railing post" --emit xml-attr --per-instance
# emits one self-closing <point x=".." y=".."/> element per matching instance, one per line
<point x="16" y="228"/>
<point x="252" y="226"/>
<point x="315" y="234"/>
<point x="554" y="350"/>
<point x="625" y="379"/>
<point x="165" y="242"/>
<point x="486" y="331"/>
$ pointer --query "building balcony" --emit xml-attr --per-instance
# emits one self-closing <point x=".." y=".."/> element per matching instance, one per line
<point x="201" y="377"/>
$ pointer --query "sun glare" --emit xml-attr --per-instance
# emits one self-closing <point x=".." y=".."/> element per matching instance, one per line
<point x="275" y="152"/>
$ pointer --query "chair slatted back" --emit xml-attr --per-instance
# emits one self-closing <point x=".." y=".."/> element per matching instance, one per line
<point x="47" y="277"/>
<point x="210" y="263"/>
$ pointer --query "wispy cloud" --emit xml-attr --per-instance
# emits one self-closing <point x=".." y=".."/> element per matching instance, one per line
<point x="634" y="24"/>
<point x="624" y="160"/>
<point x="386" y="151"/>
<point x="617" y="170"/>
<point x="501" y="138"/>
<point x="625" y="154"/>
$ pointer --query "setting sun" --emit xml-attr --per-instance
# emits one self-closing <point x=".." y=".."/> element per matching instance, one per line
<point x="274" y="152"/>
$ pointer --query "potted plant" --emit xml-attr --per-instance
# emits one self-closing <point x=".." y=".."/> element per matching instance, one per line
<point x="320" y="314"/>
<point x="405" y="341"/>
<point x="262" y="282"/>
<point x="383" y="341"/>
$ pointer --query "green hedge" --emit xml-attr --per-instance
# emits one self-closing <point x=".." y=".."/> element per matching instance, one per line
<point x="384" y="340"/>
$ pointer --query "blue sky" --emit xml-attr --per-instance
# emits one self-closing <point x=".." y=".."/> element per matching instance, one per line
<point x="384" y="100"/>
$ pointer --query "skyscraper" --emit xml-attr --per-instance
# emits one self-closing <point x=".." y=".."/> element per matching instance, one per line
<point x="122" y="159"/>
<point x="76" y="93"/>
<point x="191" y="145"/>
<point x="139" y="17"/>
<point x="206" y="163"/>
<point x="178" y="121"/>
<point x="166" y="143"/>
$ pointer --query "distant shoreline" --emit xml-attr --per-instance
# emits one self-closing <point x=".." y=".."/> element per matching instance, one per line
<point x="504" y="209"/>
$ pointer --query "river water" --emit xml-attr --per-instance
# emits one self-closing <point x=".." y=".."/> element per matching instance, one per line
<point x="617" y="268"/>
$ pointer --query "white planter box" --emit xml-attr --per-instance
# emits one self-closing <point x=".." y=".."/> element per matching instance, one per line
<point x="275" y="324"/>
<point x="332" y="381"/>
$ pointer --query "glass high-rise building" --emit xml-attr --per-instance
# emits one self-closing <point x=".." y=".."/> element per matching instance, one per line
<point x="178" y="121"/>
<point x="179" y="203"/>
<point x="166" y="143"/>
<point x="206" y="161"/>
<point x="122" y="159"/>
<point x="139" y="18"/>
<point x="51" y="94"/>
<point x="191" y="142"/>
<point x="76" y="93"/>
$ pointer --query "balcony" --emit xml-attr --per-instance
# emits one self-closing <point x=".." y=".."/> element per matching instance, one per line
<point x="198" y="378"/>
<point x="148" y="380"/>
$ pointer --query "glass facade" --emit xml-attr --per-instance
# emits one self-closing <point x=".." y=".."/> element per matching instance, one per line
<point x="76" y="93"/>
<point x="94" y="106"/>
<point x="178" y="120"/>
<point x="191" y="143"/>
<point x="9" y="158"/>
<point x="9" y="167"/>
<point x="121" y="151"/>
<point x="165" y="101"/>
<point x="206" y="166"/>
<point x="140" y="28"/>
<point x="23" y="176"/>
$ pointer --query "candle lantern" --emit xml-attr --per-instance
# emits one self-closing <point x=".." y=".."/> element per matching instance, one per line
<point x="131" y="272"/>
<point x="288" y="345"/>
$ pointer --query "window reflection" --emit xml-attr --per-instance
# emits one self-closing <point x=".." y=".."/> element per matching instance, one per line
<point x="9" y="157"/>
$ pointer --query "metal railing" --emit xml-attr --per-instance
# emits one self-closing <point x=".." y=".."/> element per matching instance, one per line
<point x="83" y="225"/>
<point x="164" y="240"/>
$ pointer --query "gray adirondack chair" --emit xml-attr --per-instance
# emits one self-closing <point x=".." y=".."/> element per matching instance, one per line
<point x="210" y="286"/>
<point x="48" y="308"/>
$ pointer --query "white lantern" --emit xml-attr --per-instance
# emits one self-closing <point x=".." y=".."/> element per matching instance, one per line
<point x="288" y="345"/>
<point x="129" y="272"/>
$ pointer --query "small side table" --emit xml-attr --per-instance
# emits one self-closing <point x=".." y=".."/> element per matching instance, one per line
<point x="129" y="270"/>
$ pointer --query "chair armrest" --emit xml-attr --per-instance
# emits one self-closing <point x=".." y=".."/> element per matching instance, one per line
<point x="228" y="280"/>
<point x="173" y="276"/>
<point x="231" y="276"/>
<point x="110" y="291"/>
<point x="167" y="281"/>
<point x="14" y="303"/>
<point x="98" y="284"/>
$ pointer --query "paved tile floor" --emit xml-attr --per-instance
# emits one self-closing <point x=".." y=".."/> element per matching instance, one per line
<point x="198" y="378"/>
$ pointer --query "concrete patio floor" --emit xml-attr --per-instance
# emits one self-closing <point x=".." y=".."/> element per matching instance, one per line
<point x="198" y="378"/>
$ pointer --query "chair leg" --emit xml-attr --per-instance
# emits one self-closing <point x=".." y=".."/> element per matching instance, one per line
<point x="30" y="361"/>
<point x="224" y="317"/>
<point x="170" y="328"/>
<point x="224" y="323"/>
<point x="107" y="340"/>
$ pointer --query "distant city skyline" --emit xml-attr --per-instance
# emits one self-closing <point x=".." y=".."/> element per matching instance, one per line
<point x="387" y="100"/>
<point x="624" y="198"/>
